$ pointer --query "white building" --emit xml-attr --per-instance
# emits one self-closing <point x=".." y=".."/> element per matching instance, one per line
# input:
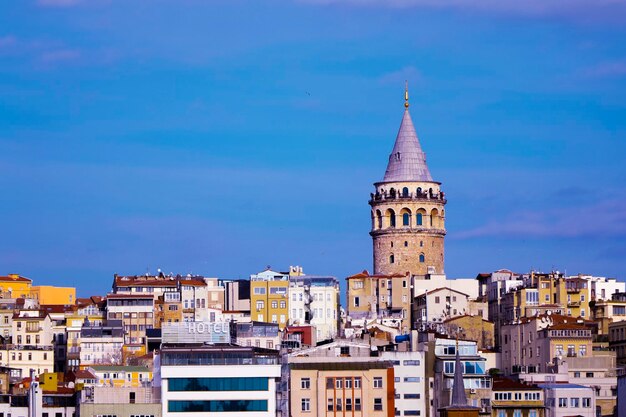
<point x="440" y="304"/>
<point x="564" y="400"/>
<point x="218" y="380"/>
<point x="314" y="300"/>
<point x="410" y="383"/>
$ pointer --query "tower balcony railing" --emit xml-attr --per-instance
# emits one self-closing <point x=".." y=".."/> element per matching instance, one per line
<point x="426" y="196"/>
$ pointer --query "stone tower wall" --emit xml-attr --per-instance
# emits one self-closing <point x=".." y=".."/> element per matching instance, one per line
<point x="406" y="245"/>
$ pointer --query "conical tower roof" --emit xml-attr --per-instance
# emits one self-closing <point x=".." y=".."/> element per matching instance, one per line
<point x="407" y="161"/>
<point x="459" y="399"/>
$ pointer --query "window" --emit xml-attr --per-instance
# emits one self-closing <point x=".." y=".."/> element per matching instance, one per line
<point x="274" y="304"/>
<point x="406" y="219"/>
<point x="574" y="402"/>
<point x="562" y="402"/>
<point x="378" y="404"/>
<point x="422" y="258"/>
<point x="517" y="413"/>
<point x="589" y="374"/>
<point x="391" y="259"/>
<point x="357" y="384"/>
<point x="378" y="382"/>
<point x="582" y="351"/>
<point x="348" y="383"/>
<point x="420" y="219"/>
<point x="339" y="404"/>
<point x="586" y="402"/>
<point x="305" y="383"/>
<point x="532" y="413"/>
<point x="357" y="404"/>
<point x="501" y="413"/>
<point x="412" y="379"/>
<point x="306" y="404"/>
<point x="357" y="301"/>
<point x="357" y="285"/>
<point x="411" y="396"/>
<point x="348" y="404"/>
<point x="260" y="305"/>
<point x="329" y="383"/>
<point x="330" y="405"/>
<point x="436" y="300"/>
<point x="257" y="291"/>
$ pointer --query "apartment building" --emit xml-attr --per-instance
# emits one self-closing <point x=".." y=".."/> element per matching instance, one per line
<point x="409" y="381"/>
<point x="257" y="334"/>
<point x="510" y="398"/>
<point x="269" y="300"/>
<point x="341" y="385"/>
<point x="386" y="298"/>
<point x="476" y="378"/>
<point x="438" y="305"/>
<point x="101" y="345"/>
<point x="314" y="300"/>
<point x="532" y="342"/>
<point x="136" y="311"/>
<point x="563" y="400"/>
<point x="15" y="286"/>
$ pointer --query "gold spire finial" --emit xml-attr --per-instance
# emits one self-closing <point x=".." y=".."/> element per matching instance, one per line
<point x="406" y="94"/>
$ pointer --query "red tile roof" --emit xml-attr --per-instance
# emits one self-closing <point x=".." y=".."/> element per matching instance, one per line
<point x="15" y="278"/>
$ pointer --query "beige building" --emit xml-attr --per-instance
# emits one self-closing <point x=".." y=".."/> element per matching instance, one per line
<point x="407" y="210"/>
<point x="385" y="298"/>
<point x="339" y="379"/>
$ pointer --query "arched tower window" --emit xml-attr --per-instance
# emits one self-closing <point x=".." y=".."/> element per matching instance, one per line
<point x="406" y="219"/>
<point x="433" y="217"/>
<point x="405" y="192"/>
<point x="379" y="219"/>
<point x="392" y="192"/>
<point x="391" y="259"/>
<point x="420" y="219"/>
<point x="392" y="217"/>
<point x="419" y="190"/>
<point x="422" y="258"/>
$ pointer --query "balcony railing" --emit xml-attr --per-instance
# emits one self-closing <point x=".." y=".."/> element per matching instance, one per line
<point x="439" y="197"/>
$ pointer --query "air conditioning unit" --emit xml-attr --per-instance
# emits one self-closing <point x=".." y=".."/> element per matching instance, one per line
<point x="472" y="391"/>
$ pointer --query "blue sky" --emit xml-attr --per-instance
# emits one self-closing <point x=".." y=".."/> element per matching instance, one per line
<point x="220" y="137"/>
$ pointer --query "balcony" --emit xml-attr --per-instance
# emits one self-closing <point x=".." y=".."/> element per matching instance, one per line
<point x="398" y="196"/>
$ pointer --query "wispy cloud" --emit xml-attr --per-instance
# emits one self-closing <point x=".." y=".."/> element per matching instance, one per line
<point x="59" y="55"/>
<point x="604" y="219"/>
<point x="58" y="3"/>
<point x="601" y="10"/>
<point x="606" y="70"/>
<point x="410" y="73"/>
<point x="7" y="41"/>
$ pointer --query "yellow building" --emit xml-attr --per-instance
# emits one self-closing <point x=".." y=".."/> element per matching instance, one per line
<point x="15" y="286"/>
<point x="269" y="301"/>
<point x="269" y="297"/>
<point x="49" y="295"/>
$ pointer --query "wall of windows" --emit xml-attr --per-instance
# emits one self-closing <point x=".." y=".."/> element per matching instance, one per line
<point x="216" y="406"/>
<point x="469" y="367"/>
<point x="218" y="384"/>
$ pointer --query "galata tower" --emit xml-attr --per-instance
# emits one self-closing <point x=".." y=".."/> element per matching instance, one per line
<point x="408" y="215"/>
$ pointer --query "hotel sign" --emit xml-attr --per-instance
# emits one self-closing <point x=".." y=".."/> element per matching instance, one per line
<point x="195" y="332"/>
